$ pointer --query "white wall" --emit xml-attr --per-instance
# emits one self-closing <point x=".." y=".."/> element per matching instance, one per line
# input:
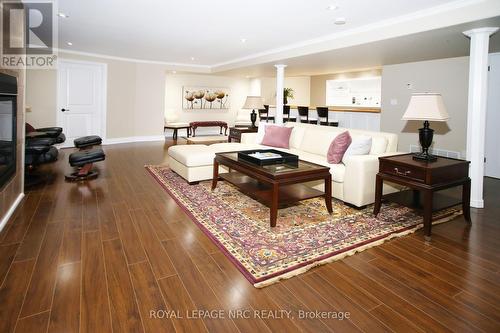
<point x="135" y="100"/>
<point x="300" y="84"/>
<point x="239" y="90"/>
<point x="446" y="76"/>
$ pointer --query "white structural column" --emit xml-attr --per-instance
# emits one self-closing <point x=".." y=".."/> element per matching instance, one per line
<point x="280" y="84"/>
<point x="476" y="114"/>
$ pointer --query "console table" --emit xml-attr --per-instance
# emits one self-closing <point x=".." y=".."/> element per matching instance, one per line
<point x="424" y="177"/>
<point x="195" y="124"/>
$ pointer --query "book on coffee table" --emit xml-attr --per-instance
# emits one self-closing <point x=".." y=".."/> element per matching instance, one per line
<point x="267" y="157"/>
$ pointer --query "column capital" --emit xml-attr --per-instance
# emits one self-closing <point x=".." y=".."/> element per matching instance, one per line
<point x="481" y="31"/>
<point x="280" y="66"/>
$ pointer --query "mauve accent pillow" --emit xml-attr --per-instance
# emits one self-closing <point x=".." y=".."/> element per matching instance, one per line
<point x="338" y="147"/>
<point x="277" y="136"/>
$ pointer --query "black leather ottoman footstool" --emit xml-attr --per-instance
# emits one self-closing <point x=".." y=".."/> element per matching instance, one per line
<point x="83" y="159"/>
<point x="87" y="141"/>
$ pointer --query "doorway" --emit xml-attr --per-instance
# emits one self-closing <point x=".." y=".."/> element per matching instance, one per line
<point x="81" y="99"/>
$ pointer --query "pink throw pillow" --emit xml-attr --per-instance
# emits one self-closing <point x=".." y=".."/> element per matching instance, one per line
<point x="338" y="147"/>
<point x="277" y="136"/>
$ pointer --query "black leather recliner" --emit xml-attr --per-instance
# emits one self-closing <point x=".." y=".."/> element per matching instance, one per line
<point x="38" y="151"/>
<point x="46" y="132"/>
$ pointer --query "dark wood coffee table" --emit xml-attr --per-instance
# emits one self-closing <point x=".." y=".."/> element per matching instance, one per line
<point x="274" y="185"/>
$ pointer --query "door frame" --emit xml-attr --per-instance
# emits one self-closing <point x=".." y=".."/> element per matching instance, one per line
<point x="104" y="99"/>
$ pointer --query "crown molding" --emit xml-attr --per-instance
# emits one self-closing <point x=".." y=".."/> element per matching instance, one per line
<point x="169" y="65"/>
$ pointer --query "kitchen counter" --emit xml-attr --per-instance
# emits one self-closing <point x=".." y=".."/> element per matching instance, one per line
<point x="355" y="108"/>
<point x="356" y="117"/>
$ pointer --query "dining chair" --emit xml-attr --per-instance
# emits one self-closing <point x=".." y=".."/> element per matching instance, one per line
<point x="264" y="115"/>
<point x="323" y="113"/>
<point x="304" y="115"/>
<point x="286" y="114"/>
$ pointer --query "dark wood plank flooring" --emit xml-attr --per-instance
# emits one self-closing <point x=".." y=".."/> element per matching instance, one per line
<point x="100" y="256"/>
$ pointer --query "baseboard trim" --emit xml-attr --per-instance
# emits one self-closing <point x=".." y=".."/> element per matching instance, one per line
<point x="11" y="210"/>
<point x="130" y="139"/>
<point x="477" y="203"/>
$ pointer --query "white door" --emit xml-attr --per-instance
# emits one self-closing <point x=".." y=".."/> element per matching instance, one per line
<point x="81" y="99"/>
<point x="492" y="147"/>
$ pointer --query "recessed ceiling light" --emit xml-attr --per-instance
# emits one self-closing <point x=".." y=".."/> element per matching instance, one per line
<point x="192" y="58"/>
<point x="243" y="40"/>
<point x="69" y="43"/>
<point x="340" y="20"/>
<point x="174" y="72"/>
<point x="62" y="15"/>
<point x="333" y="7"/>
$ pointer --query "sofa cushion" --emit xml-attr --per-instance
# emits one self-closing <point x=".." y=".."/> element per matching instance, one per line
<point x="338" y="147"/>
<point x="297" y="135"/>
<point x="192" y="155"/>
<point x="317" y="141"/>
<point x="261" y="131"/>
<point x="360" y="145"/>
<point x="337" y="170"/>
<point x="379" y="145"/>
<point x="233" y="146"/>
<point x="277" y="136"/>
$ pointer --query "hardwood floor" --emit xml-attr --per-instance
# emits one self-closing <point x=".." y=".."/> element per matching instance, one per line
<point x="105" y="255"/>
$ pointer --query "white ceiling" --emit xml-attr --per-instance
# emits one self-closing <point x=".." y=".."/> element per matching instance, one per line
<point x="435" y="44"/>
<point x="174" y="31"/>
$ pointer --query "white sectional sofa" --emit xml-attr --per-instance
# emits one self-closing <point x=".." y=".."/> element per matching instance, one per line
<point x="353" y="179"/>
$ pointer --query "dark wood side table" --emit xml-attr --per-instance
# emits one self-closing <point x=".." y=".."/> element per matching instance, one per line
<point x="235" y="133"/>
<point x="177" y="127"/>
<point x="426" y="178"/>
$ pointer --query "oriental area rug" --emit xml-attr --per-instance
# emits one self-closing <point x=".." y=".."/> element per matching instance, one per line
<point x="305" y="236"/>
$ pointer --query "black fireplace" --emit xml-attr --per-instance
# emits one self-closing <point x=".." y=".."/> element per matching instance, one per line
<point x="8" y="127"/>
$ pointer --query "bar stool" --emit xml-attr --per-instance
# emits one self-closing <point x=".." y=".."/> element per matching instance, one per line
<point x="286" y="112"/>
<point x="264" y="114"/>
<point x="304" y="115"/>
<point x="323" y="117"/>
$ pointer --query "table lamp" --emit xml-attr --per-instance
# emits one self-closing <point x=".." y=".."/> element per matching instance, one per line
<point x="426" y="107"/>
<point x="252" y="103"/>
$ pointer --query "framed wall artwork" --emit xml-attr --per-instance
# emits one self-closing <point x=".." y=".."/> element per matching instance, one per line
<point x="205" y="98"/>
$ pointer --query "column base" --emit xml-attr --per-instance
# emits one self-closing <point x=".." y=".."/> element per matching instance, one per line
<point x="477" y="203"/>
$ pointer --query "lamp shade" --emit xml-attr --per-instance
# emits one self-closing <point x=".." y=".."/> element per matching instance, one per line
<point x="426" y="106"/>
<point x="254" y="102"/>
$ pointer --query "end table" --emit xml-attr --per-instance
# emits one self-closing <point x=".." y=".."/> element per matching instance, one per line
<point x="235" y="132"/>
<point x="424" y="177"/>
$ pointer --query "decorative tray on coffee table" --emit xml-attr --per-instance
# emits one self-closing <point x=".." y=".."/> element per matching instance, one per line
<point x="267" y="157"/>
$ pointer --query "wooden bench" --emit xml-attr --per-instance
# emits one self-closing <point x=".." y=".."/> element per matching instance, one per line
<point x="195" y="124"/>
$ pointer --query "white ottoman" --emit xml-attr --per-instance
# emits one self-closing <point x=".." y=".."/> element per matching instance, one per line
<point x="195" y="162"/>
